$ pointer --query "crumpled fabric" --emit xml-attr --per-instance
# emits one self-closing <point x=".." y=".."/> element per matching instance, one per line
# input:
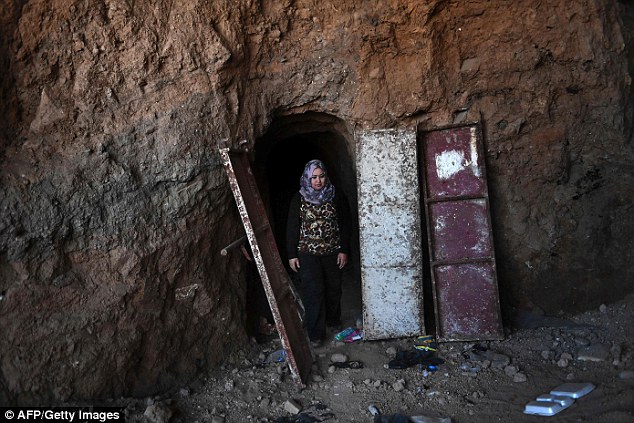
<point x="315" y="413"/>
<point x="405" y="359"/>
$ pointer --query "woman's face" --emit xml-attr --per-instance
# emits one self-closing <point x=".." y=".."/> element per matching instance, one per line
<point x="318" y="179"/>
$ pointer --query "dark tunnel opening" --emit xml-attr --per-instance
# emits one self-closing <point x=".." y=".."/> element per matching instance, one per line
<point x="280" y="157"/>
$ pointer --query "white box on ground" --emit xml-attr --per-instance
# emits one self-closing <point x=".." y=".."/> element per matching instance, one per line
<point x="543" y="408"/>
<point x="573" y="390"/>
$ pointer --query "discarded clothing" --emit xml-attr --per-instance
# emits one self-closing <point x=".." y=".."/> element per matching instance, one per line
<point x="405" y="359"/>
<point x="392" y="418"/>
<point x="315" y="413"/>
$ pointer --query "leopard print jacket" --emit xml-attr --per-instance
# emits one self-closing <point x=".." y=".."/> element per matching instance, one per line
<point x="319" y="230"/>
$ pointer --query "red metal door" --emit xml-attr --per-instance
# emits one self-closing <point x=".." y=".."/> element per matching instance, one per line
<point x="462" y="258"/>
<point x="275" y="279"/>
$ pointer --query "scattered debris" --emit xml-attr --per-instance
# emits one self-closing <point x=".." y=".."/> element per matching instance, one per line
<point x="350" y="364"/>
<point x="292" y="406"/>
<point x="338" y="358"/>
<point x="594" y="352"/>
<point x="158" y="413"/>
<point x="405" y="359"/>
<point x="349" y="335"/>
<point x="402" y="418"/>
<point x="278" y="356"/>
<point x="317" y="412"/>
<point x="477" y="382"/>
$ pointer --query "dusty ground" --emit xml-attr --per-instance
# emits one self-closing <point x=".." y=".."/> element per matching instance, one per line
<point x="594" y="347"/>
<point x="114" y="204"/>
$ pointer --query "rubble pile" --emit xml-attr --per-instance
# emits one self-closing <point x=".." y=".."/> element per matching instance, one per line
<point x="476" y="382"/>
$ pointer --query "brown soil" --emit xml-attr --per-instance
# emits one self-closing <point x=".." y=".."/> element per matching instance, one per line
<point x="547" y="352"/>
<point x="114" y="203"/>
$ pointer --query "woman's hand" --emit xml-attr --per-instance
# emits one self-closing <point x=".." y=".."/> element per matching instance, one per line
<point x="342" y="260"/>
<point x="294" y="263"/>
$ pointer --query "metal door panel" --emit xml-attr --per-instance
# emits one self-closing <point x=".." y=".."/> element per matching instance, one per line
<point x="453" y="164"/>
<point x="462" y="259"/>
<point x="385" y="244"/>
<point x="275" y="280"/>
<point x="392" y="307"/>
<point x="467" y="302"/>
<point x="460" y="230"/>
<point x="389" y="233"/>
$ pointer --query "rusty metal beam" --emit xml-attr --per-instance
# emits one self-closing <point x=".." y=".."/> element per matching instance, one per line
<point x="275" y="280"/>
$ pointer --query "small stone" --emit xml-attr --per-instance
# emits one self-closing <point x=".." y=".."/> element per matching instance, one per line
<point x="594" y="352"/>
<point x="566" y="356"/>
<point x="265" y="402"/>
<point x="627" y="374"/>
<point x="317" y="377"/>
<point x="510" y="370"/>
<point x="390" y="351"/>
<point x="616" y="351"/>
<point x="582" y="342"/>
<point x="603" y="308"/>
<point x="546" y="354"/>
<point x="562" y="362"/>
<point x="229" y="385"/>
<point x="338" y="358"/>
<point x="377" y="383"/>
<point x="158" y="413"/>
<point x="332" y="369"/>
<point x="399" y="385"/>
<point x="217" y="419"/>
<point x="292" y="406"/>
<point x="519" y="377"/>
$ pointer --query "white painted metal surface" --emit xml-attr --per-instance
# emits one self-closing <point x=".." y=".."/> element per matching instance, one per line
<point x="390" y="233"/>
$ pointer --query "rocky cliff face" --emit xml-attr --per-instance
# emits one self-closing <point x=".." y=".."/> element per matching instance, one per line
<point x="114" y="204"/>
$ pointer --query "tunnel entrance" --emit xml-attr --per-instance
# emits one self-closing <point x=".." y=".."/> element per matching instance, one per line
<point x="280" y="156"/>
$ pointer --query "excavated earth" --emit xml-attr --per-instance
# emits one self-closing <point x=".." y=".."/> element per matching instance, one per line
<point x="478" y="382"/>
<point x="114" y="203"/>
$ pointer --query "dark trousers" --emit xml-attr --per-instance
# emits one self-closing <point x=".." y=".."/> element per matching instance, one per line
<point x="320" y="289"/>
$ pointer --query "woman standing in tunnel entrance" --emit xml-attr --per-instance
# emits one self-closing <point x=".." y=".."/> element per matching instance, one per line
<point x="318" y="241"/>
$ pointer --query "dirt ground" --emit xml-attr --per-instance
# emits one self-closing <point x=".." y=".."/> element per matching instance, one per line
<point x="479" y="382"/>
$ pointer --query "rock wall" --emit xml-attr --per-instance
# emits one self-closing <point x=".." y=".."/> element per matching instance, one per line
<point x="114" y="204"/>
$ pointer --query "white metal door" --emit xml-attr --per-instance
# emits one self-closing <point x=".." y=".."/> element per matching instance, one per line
<point x="390" y="233"/>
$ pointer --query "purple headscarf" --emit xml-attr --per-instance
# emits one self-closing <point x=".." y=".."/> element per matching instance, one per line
<point x="313" y="196"/>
